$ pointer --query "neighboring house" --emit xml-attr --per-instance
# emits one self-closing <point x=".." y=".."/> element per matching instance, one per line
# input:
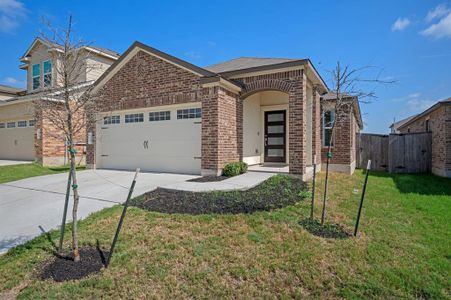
<point x="25" y="133"/>
<point x="394" y="127"/>
<point x="348" y="125"/>
<point x="437" y="120"/>
<point x="7" y="92"/>
<point x="163" y="114"/>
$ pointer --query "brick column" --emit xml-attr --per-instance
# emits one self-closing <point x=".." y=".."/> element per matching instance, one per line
<point x="297" y="119"/>
<point x="91" y="148"/>
<point x="220" y="129"/>
<point x="209" y="135"/>
<point x="38" y="135"/>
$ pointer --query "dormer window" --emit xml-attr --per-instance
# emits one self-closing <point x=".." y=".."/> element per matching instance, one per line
<point x="36" y="74"/>
<point x="47" y="66"/>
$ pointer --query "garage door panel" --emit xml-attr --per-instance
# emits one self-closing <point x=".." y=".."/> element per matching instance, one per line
<point x="17" y="143"/>
<point x="163" y="146"/>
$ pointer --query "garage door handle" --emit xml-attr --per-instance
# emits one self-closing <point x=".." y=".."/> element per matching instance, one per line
<point x="197" y="122"/>
<point x="197" y="157"/>
<point x="104" y="155"/>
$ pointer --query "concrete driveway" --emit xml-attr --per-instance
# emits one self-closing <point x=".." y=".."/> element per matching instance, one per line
<point x="5" y="162"/>
<point x="30" y="206"/>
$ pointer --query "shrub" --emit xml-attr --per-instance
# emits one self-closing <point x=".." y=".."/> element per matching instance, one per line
<point x="243" y="167"/>
<point x="235" y="168"/>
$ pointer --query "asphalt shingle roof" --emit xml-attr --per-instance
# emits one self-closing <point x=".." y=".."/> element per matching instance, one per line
<point x="245" y="63"/>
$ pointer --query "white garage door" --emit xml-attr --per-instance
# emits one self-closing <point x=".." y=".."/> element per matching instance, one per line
<point x="167" y="140"/>
<point x="17" y="140"/>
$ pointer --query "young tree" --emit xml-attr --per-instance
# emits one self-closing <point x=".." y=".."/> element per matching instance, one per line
<point x="350" y="87"/>
<point x="66" y="101"/>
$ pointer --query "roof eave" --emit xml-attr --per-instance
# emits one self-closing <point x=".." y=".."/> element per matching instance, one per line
<point x="427" y="111"/>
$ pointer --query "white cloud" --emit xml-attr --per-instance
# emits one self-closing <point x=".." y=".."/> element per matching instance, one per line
<point x="400" y="24"/>
<point x="442" y="29"/>
<point x="419" y="105"/>
<point x="13" y="81"/>
<point x="414" y="103"/>
<point x="12" y="12"/>
<point x="438" y="12"/>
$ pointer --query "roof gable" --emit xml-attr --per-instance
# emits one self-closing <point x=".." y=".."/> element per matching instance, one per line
<point x="134" y="49"/>
<point x="97" y="50"/>
<point x="427" y="111"/>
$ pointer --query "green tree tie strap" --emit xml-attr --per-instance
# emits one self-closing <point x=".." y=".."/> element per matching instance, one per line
<point x="72" y="150"/>
<point x="329" y="154"/>
<point x="74" y="186"/>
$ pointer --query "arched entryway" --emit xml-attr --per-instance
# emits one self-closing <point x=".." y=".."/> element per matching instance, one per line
<point x="266" y="128"/>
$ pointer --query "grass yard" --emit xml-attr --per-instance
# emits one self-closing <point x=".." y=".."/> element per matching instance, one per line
<point x="403" y="250"/>
<point x="17" y="172"/>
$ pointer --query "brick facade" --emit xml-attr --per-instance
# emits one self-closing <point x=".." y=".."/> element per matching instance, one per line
<point x="316" y="111"/>
<point x="440" y="127"/>
<point x="147" y="81"/>
<point x="344" y="141"/>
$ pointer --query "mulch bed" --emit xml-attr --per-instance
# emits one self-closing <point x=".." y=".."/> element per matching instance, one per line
<point x="276" y="192"/>
<point x="334" y="231"/>
<point x="209" y="179"/>
<point x="63" y="268"/>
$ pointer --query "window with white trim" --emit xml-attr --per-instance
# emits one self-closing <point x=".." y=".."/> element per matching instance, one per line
<point x="189" y="113"/>
<point x="328" y="122"/>
<point x="2" y="125"/>
<point x="22" y="124"/>
<point x="112" y="120"/>
<point x="159" y="116"/>
<point x="31" y="123"/>
<point x="36" y="76"/>
<point x="47" y="71"/>
<point x="134" y="118"/>
<point x="11" y="125"/>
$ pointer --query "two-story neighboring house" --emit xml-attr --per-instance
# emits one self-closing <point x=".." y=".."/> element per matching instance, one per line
<point x="22" y="135"/>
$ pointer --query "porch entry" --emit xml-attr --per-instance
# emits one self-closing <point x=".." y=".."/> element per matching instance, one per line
<point x="275" y="136"/>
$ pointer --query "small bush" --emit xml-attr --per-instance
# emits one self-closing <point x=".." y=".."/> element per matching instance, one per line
<point x="235" y="168"/>
<point x="232" y="169"/>
<point x="243" y="167"/>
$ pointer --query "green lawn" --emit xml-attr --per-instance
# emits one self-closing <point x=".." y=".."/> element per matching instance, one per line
<point x="16" y="172"/>
<point x="403" y="251"/>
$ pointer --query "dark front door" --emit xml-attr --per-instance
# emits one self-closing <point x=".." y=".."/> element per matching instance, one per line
<point x="275" y="129"/>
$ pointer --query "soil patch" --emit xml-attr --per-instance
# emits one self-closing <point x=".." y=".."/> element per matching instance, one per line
<point x="63" y="268"/>
<point x="334" y="231"/>
<point x="209" y="179"/>
<point x="276" y="192"/>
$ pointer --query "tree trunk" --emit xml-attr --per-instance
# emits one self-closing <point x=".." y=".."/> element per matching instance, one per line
<point x="326" y="183"/>
<point x="75" y="206"/>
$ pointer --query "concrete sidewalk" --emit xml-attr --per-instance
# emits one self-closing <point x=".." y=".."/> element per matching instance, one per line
<point x="240" y="182"/>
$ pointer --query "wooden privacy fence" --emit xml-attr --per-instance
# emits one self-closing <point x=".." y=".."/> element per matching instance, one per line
<point x="395" y="153"/>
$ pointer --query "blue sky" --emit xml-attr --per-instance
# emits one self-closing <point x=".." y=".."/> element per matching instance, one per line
<point x="409" y="40"/>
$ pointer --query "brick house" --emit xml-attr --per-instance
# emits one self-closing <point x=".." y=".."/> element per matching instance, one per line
<point x="25" y="132"/>
<point x="437" y="120"/>
<point x="163" y="114"/>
